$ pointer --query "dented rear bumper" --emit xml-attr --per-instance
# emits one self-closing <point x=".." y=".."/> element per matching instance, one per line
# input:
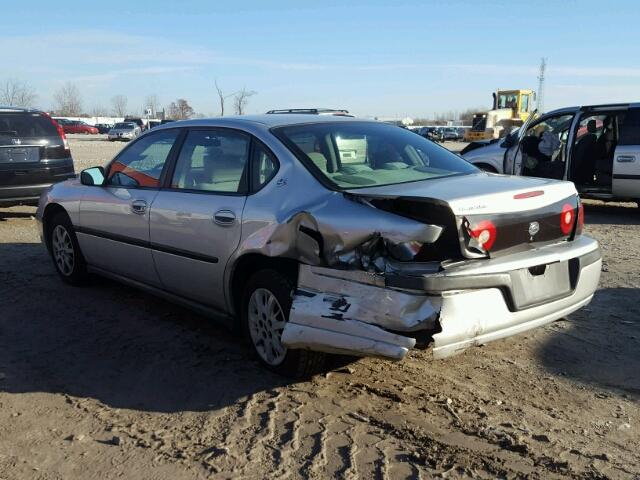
<point x="472" y="303"/>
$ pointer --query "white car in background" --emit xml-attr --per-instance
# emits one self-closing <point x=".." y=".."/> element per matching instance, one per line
<point x="124" y="131"/>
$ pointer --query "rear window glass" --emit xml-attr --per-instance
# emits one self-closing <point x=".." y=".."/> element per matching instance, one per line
<point x="125" y="126"/>
<point x="26" y="125"/>
<point x="362" y="154"/>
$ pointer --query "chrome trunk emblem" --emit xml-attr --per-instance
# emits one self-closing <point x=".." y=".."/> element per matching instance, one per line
<point x="534" y="227"/>
<point x="16" y="141"/>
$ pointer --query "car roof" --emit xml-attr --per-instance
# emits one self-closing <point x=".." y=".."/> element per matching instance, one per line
<point x="265" y="119"/>
<point x="7" y="108"/>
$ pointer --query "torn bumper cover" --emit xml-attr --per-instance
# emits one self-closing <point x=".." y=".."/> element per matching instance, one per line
<point x="472" y="303"/>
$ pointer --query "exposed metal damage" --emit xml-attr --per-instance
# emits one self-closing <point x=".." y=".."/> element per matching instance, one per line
<point x="352" y="234"/>
<point x="363" y="288"/>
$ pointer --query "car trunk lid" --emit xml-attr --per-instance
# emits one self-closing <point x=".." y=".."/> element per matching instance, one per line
<point x="483" y="214"/>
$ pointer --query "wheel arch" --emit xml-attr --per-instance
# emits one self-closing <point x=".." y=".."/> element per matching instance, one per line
<point x="250" y="263"/>
<point x="50" y="211"/>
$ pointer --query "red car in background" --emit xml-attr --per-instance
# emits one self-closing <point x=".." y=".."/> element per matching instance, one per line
<point x="76" y="126"/>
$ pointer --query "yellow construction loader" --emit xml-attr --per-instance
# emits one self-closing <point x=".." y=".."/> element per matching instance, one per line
<point x="510" y="109"/>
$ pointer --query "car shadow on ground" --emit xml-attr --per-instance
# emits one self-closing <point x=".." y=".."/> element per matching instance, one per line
<point x="600" y="344"/>
<point x="611" y="214"/>
<point x="120" y="346"/>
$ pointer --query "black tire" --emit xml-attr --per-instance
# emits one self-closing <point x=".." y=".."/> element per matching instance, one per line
<point x="296" y="363"/>
<point x="77" y="274"/>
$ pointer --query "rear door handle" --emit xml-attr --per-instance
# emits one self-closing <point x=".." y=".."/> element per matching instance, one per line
<point x="139" y="207"/>
<point x="224" y="218"/>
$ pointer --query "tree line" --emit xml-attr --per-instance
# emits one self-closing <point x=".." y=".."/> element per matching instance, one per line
<point x="68" y="102"/>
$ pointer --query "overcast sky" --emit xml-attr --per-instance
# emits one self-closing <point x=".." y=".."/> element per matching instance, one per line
<point x="386" y="58"/>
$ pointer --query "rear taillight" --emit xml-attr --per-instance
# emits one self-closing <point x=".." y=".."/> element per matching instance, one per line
<point x="567" y="218"/>
<point x="60" y="131"/>
<point x="484" y="233"/>
<point x="580" y="224"/>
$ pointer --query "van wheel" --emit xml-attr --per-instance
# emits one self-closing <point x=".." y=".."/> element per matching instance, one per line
<point x="265" y="311"/>
<point x="65" y="250"/>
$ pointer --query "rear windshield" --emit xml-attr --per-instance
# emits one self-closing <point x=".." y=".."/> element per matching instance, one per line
<point x="125" y="126"/>
<point x="363" y="154"/>
<point x="26" y="125"/>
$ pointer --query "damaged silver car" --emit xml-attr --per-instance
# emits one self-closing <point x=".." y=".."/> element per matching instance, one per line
<point x="326" y="235"/>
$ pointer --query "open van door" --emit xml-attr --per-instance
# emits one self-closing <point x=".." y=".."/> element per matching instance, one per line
<point x="512" y="156"/>
<point x="626" y="159"/>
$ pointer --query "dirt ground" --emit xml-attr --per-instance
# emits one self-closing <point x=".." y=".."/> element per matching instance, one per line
<point x="106" y="382"/>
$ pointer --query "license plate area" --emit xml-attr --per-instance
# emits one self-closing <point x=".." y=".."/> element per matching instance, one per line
<point x="19" y="154"/>
<point x="542" y="284"/>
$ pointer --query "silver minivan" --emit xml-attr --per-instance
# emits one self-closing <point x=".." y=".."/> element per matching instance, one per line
<point x="595" y="147"/>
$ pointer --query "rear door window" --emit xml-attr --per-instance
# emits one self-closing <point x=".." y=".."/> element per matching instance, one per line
<point x="212" y="161"/>
<point x="13" y="125"/>
<point x="630" y="133"/>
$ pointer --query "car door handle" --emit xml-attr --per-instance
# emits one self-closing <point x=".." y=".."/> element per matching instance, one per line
<point x="626" y="158"/>
<point x="224" y="218"/>
<point x="139" y="207"/>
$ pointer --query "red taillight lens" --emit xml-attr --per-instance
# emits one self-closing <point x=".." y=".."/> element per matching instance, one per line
<point x="484" y="232"/>
<point x="567" y="218"/>
<point x="580" y="225"/>
<point x="60" y="131"/>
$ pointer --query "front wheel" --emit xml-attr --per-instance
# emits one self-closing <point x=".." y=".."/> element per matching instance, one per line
<point x="265" y="312"/>
<point x="65" y="250"/>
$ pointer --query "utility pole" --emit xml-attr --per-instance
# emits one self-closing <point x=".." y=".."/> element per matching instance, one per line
<point x="543" y="67"/>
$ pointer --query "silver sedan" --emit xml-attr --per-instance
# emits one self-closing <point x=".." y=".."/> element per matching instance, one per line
<point x="325" y="235"/>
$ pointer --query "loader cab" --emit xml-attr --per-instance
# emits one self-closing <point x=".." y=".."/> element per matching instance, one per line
<point x="520" y="101"/>
<point x="597" y="148"/>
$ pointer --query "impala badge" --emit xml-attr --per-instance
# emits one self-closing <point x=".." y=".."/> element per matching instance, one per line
<point x="534" y="227"/>
<point x="16" y="141"/>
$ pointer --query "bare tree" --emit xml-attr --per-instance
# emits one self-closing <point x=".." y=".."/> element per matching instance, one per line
<point x="99" y="111"/>
<point x="67" y="100"/>
<point x="180" y="110"/>
<point x="15" y="93"/>
<point x="222" y="97"/>
<point x="241" y="99"/>
<point x="119" y="104"/>
<point x="151" y="102"/>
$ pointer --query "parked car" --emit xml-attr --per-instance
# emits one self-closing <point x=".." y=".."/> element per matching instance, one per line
<point x="451" y="134"/>
<point x="595" y="147"/>
<point x="104" y="127"/>
<point x="264" y="222"/>
<point x="76" y="126"/>
<point x="154" y="123"/>
<point x="34" y="153"/>
<point x="138" y="121"/>
<point x="124" y="131"/>
<point x="432" y="133"/>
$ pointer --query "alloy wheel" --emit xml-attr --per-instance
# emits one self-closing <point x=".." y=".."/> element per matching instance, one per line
<point x="266" y="322"/>
<point x="62" y="249"/>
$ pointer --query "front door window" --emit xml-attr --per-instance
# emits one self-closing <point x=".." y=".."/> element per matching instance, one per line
<point x="141" y="164"/>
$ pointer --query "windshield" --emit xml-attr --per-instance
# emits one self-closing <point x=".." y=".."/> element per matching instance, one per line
<point x="124" y="126"/>
<point x="355" y="154"/>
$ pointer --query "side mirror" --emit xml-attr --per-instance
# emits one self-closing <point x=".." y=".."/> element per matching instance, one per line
<point x="92" y="176"/>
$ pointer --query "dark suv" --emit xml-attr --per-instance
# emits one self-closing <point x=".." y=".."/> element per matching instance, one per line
<point x="34" y="153"/>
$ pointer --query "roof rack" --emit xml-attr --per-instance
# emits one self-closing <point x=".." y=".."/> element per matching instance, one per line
<point x="312" y="111"/>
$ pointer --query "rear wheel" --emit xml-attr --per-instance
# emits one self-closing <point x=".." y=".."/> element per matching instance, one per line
<point x="265" y="312"/>
<point x="65" y="250"/>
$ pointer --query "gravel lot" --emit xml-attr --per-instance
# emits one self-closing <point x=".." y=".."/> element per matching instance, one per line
<point x="106" y="382"/>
